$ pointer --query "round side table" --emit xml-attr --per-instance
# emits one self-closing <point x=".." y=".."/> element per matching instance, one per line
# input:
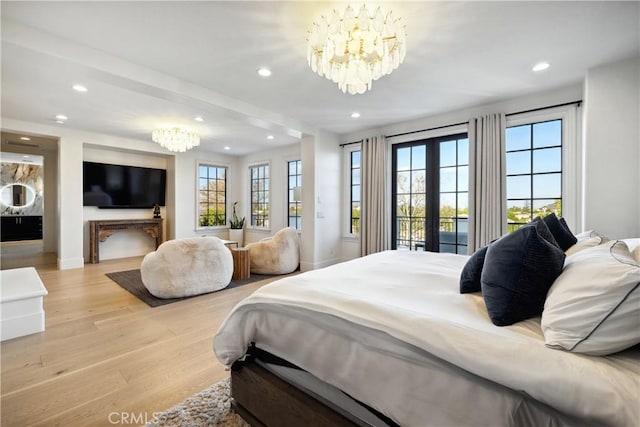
<point x="241" y="263"/>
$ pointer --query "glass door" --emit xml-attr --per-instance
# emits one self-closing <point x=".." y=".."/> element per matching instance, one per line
<point x="430" y="194"/>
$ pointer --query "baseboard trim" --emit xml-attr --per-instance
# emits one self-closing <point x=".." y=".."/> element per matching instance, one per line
<point x="69" y="263"/>
<point x="22" y="325"/>
<point x="307" y="266"/>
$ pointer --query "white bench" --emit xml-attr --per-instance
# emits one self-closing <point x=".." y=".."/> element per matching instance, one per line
<point x="21" y="311"/>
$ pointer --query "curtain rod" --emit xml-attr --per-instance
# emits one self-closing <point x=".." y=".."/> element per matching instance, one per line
<point x="350" y="143"/>
<point x="409" y="133"/>
<point x="426" y="130"/>
<point x="578" y="102"/>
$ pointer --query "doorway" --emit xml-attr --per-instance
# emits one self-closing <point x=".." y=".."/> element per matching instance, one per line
<point x="430" y="194"/>
<point x="28" y="201"/>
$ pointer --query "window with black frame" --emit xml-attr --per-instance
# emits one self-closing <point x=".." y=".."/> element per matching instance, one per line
<point x="354" y="194"/>
<point x="430" y="194"/>
<point x="534" y="171"/>
<point x="294" y="191"/>
<point x="260" y="196"/>
<point x="212" y="195"/>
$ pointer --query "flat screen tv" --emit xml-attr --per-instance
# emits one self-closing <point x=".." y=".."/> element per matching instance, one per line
<point x="118" y="186"/>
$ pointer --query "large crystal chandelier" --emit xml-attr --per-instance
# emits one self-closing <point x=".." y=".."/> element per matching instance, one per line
<point x="175" y="139"/>
<point x="353" y="50"/>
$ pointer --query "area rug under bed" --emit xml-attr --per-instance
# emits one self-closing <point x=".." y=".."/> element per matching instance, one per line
<point x="211" y="407"/>
<point x="131" y="280"/>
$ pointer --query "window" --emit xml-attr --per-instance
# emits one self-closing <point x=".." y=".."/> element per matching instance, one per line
<point x="534" y="171"/>
<point x="294" y="186"/>
<point x="430" y="194"/>
<point x="454" y="195"/>
<point x="212" y="197"/>
<point x="354" y="194"/>
<point x="260" y="196"/>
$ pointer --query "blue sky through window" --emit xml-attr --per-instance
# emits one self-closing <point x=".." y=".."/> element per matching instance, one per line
<point x="534" y="169"/>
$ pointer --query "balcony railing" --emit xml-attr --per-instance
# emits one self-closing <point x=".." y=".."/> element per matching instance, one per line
<point x="453" y="232"/>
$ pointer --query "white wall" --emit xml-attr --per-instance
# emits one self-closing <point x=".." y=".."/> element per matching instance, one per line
<point x="612" y="149"/>
<point x="327" y="200"/>
<point x="321" y="206"/>
<point x="307" y="237"/>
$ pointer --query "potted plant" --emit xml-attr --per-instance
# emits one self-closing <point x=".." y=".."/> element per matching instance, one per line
<point x="236" y="226"/>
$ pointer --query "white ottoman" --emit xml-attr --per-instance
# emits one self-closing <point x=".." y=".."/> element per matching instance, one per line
<point x="21" y="302"/>
<point x="185" y="267"/>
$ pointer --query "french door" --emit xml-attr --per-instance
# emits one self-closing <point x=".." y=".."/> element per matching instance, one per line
<point x="430" y="194"/>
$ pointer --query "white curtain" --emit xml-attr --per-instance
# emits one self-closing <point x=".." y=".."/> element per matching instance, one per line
<point x="375" y="222"/>
<point x="487" y="180"/>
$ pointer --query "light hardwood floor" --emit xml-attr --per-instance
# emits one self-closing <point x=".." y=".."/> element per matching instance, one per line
<point x="106" y="358"/>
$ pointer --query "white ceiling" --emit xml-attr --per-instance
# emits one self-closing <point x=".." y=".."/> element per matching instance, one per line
<point x="148" y="64"/>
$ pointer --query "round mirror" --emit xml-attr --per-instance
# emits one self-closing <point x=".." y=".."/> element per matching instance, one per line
<point x="17" y="195"/>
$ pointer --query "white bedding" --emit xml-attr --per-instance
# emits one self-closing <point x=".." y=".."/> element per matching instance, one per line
<point x="392" y="330"/>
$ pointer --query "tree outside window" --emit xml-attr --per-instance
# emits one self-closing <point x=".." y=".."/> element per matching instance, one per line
<point x="260" y="196"/>
<point x="212" y="195"/>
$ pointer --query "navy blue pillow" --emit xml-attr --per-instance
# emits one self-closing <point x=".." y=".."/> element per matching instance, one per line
<point x="563" y="236"/>
<point x="544" y="231"/>
<point x="518" y="271"/>
<point x="470" y="276"/>
<point x="565" y="225"/>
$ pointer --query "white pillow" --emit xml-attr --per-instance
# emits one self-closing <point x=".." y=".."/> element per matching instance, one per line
<point x="593" y="307"/>
<point x="583" y="244"/>
<point x="633" y="243"/>
<point x="590" y="234"/>
<point x="634" y="247"/>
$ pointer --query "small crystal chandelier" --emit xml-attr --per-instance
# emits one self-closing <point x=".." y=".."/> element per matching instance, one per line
<point x="353" y="50"/>
<point x="175" y="139"/>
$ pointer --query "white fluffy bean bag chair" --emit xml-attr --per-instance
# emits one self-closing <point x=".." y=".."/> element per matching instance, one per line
<point x="279" y="254"/>
<point x="185" y="267"/>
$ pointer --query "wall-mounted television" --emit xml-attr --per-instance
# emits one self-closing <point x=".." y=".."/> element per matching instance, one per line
<point x="119" y="187"/>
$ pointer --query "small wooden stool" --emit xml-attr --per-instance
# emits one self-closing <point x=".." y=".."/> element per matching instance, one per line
<point x="241" y="263"/>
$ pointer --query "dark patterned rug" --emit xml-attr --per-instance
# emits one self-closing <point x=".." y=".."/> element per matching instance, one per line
<point x="132" y="282"/>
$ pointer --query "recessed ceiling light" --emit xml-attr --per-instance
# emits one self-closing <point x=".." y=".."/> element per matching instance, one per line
<point x="60" y="121"/>
<point x="25" y="138"/>
<point x="270" y="136"/>
<point x="264" y="71"/>
<point x="540" y="66"/>
<point x="355" y="115"/>
<point x="198" y="119"/>
<point x="61" y="117"/>
<point x="226" y="147"/>
<point x="80" y="88"/>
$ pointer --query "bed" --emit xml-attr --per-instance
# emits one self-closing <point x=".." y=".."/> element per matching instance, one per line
<point x="388" y="339"/>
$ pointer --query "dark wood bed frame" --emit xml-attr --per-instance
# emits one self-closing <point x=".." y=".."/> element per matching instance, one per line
<point x="264" y="399"/>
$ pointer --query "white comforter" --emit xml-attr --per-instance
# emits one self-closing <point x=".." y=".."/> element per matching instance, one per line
<point x="385" y="319"/>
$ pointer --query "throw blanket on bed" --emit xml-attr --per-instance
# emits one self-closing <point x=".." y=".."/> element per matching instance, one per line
<point x="413" y="298"/>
